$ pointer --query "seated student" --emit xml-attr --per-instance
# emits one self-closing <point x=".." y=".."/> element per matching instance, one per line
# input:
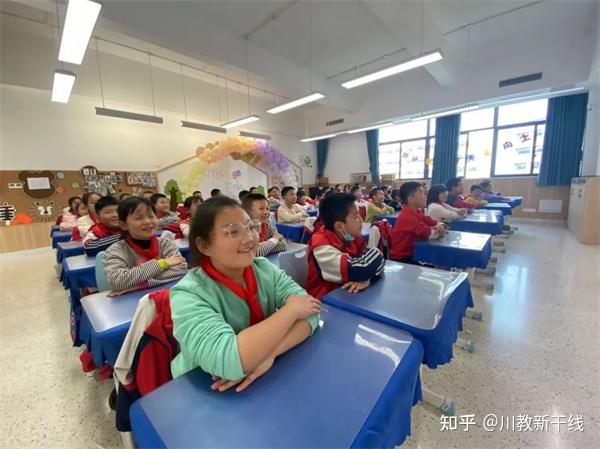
<point x="215" y="192"/>
<point x="395" y="203"/>
<point x="242" y="195"/>
<point x="253" y="189"/>
<point x="147" y="194"/>
<point x="489" y="195"/>
<point x="269" y="240"/>
<point x="475" y="196"/>
<point x="377" y="206"/>
<point x="85" y="222"/>
<point x="69" y="218"/>
<point x="455" y="191"/>
<point x="163" y="210"/>
<point x="425" y="188"/>
<point x="233" y="313"/>
<point x="304" y="200"/>
<point x="107" y="231"/>
<point x="198" y="194"/>
<point x="141" y="260"/>
<point x="412" y="225"/>
<point x="361" y="204"/>
<point x="438" y="208"/>
<point x="190" y="204"/>
<point x="274" y="197"/>
<point x="124" y="196"/>
<point x="337" y="254"/>
<point x="290" y="211"/>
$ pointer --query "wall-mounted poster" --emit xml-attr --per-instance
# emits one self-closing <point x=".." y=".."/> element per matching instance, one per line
<point x="360" y="178"/>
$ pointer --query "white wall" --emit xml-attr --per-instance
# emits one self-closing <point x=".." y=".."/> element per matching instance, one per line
<point x="38" y="134"/>
<point x="347" y="154"/>
<point x="591" y="147"/>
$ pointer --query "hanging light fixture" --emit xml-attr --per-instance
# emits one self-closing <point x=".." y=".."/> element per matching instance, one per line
<point x="79" y="23"/>
<point x="188" y="124"/>
<point x="62" y="86"/>
<point x="324" y="136"/>
<point x="116" y="113"/>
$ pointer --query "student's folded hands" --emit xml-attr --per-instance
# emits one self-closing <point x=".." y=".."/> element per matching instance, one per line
<point x="222" y="385"/>
<point x="355" y="287"/>
<point x="303" y="306"/>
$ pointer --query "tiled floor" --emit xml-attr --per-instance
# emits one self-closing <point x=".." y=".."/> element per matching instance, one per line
<point x="538" y="353"/>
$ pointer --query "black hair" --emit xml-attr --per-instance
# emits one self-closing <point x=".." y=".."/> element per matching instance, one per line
<point x="250" y="199"/>
<point x="71" y="200"/>
<point x="354" y="189"/>
<point x="272" y="188"/>
<point x="191" y="200"/>
<point x="128" y="206"/>
<point x="407" y="189"/>
<point x="123" y="196"/>
<point x="215" y="192"/>
<point x="433" y="196"/>
<point x="286" y="189"/>
<point x="196" y="191"/>
<point x="105" y="201"/>
<point x="335" y="207"/>
<point x="87" y="195"/>
<point x="243" y="194"/>
<point x="395" y="193"/>
<point x="476" y="187"/>
<point x="301" y="193"/>
<point x="155" y="197"/>
<point x="374" y="191"/>
<point x="485" y="184"/>
<point x="253" y="188"/>
<point x="453" y="182"/>
<point x="203" y="223"/>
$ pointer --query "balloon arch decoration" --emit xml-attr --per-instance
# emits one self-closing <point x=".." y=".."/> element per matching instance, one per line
<point x="254" y="152"/>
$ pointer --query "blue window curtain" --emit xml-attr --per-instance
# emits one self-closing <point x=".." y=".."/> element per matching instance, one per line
<point x="447" y="131"/>
<point x="322" y="150"/>
<point x="373" y="153"/>
<point x="563" y="140"/>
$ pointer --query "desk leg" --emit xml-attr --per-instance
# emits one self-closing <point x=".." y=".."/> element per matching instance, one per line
<point x="465" y="345"/>
<point x="489" y="286"/>
<point x="448" y="406"/>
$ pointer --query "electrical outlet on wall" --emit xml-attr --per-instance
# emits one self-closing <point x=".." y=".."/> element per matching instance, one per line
<point x="15" y="185"/>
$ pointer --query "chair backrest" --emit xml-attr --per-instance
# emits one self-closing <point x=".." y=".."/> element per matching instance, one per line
<point x="101" y="281"/>
<point x="295" y="264"/>
<point x="374" y="237"/>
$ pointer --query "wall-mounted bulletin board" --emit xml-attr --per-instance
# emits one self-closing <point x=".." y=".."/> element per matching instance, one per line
<point x="40" y="196"/>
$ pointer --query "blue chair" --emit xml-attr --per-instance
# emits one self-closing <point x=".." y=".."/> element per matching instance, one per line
<point x="101" y="281"/>
<point x="295" y="264"/>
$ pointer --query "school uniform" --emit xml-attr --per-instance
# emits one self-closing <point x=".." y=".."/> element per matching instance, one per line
<point x="184" y="226"/>
<point x="275" y="202"/>
<point x="209" y="310"/>
<point x="411" y="226"/>
<point x="294" y="214"/>
<point x="168" y="218"/>
<point x="267" y="243"/>
<point x="476" y="202"/>
<point x="99" y="238"/>
<point x="333" y="262"/>
<point x="68" y="221"/>
<point x="374" y="210"/>
<point x="84" y="224"/>
<point x="128" y="265"/>
<point x="459" y="202"/>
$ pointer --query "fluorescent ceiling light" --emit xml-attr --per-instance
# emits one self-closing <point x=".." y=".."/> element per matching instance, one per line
<point x="241" y="121"/>
<point x="202" y="126"/>
<point x="79" y="24"/>
<point x="529" y="97"/>
<point x="413" y="63"/>
<point x="62" y="86"/>
<point x="368" y="128"/>
<point x="128" y="115"/>
<point x="255" y="135"/>
<point x="295" y="103"/>
<point x="325" y="136"/>
<point x="443" y="113"/>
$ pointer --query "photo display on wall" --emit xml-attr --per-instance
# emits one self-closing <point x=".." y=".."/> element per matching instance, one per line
<point x="144" y="179"/>
<point x="97" y="182"/>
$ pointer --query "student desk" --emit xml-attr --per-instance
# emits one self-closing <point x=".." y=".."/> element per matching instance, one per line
<point x="456" y="250"/>
<point x="514" y="201"/>
<point x="313" y="212"/>
<point x="184" y="248"/>
<point x="53" y="229"/>
<point x="483" y="223"/>
<point x="291" y="231"/>
<point x="351" y="385"/>
<point x="68" y="249"/>
<point x="291" y="246"/>
<point x="106" y="320"/>
<point x="78" y="272"/>
<point x="505" y="208"/>
<point x="391" y="219"/>
<point x="427" y="303"/>
<point x="60" y="236"/>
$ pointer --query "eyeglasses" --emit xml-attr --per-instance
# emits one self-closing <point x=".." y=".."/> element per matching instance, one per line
<point x="237" y="230"/>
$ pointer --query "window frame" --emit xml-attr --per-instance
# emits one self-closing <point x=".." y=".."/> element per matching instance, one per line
<point x="535" y="125"/>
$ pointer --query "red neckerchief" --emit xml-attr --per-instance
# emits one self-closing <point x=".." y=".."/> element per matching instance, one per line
<point x="263" y="232"/>
<point x="149" y="254"/>
<point x="160" y="214"/>
<point x="246" y="294"/>
<point x="101" y="231"/>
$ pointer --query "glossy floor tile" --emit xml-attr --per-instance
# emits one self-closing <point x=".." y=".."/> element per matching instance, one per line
<point x="537" y="354"/>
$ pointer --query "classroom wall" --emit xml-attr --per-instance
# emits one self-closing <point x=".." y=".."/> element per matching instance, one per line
<point x="347" y="154"/>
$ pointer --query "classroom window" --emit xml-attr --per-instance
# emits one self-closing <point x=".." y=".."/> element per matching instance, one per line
<point x="406" y="150"/>
<point x="539" y="146"/>
<point x="475" y="154"/>
<point x="515" y="150"/>
<point x="479" y="119"/>
<point x="526" y="112"/>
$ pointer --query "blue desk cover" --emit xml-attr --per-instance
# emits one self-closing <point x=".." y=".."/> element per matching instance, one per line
<point x="503" y="207"/>
<point x="291" y="231"/>
<point x="105" y="322"/>
<point x="352" y="384"/>
<point x="479" y="223"/>
<point x="427" y="303"/>
<point x="391" y="219"/>
<point x="184" y="248"/>
<point x="456" y="250"/>
<point x="68" y="249"/>
<point x="313" y="212"/>
<point x="77" y="272"/>
<point x="59" y="236"/>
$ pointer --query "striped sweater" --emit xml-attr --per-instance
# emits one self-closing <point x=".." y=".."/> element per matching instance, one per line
<point x="169" y="218"/>
<point x="270" y="245"/>
<point x="124" y="271"/>
<point x="93" y="244"/>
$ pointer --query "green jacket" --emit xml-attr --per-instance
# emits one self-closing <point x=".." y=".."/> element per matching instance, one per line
<point x="207" y="317"/>
<point x="374" y="211"/>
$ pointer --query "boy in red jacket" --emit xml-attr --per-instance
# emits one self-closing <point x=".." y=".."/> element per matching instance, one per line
<point x="412" y="225"/>
<point x="455" y="194"/>
<point x="338" y="256"/>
